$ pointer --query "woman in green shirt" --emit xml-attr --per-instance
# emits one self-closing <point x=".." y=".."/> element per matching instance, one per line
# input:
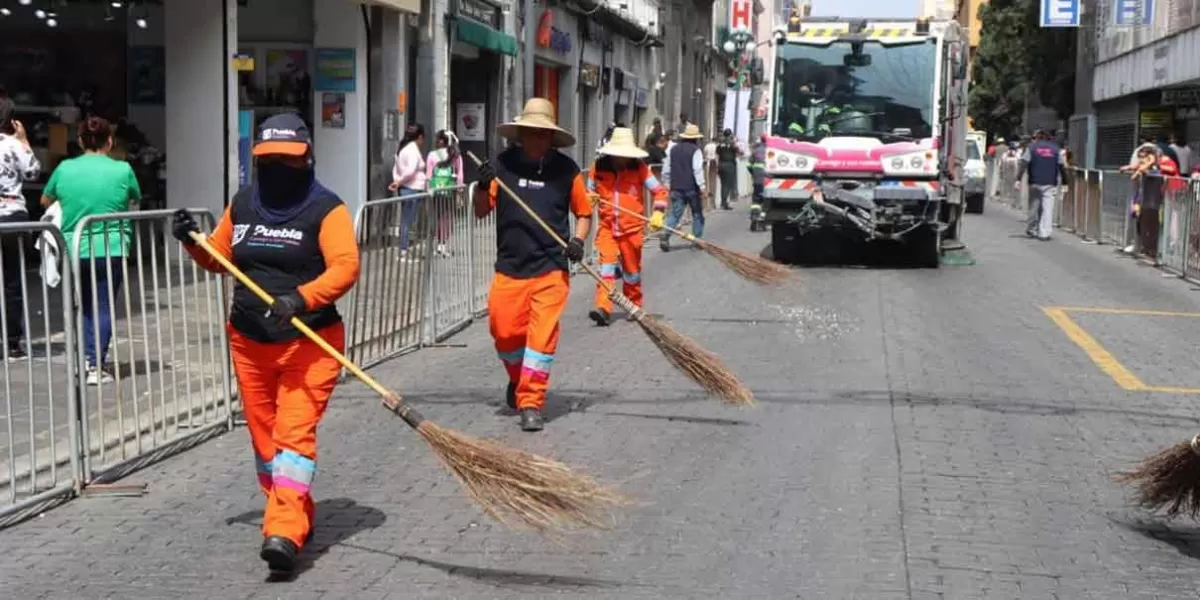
<point x="91" y="185"/>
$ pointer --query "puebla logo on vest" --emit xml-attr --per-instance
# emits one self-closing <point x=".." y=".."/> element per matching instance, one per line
<point x="262" y="235"/>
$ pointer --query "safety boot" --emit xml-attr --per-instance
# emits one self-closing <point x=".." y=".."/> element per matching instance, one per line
<point x="531" y="420"/>
<point x="280" y="554"/>
<point x="601" y="317"/>
<point x="510" y="396"/>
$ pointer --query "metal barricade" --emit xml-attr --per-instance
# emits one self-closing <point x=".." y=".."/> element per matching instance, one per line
<point x="1191" y="233"/>
<point x="451" y="302"/>
<point x="39" y="442"/>
<point x="1178" y="194"/>
<point x="1115" y="197"/>
<point x="160" y="318"/>
<point x="388" y="310"/>
<point x="482" y="240"/>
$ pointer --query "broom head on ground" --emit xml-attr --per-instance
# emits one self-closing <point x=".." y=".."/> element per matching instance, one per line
<point x="755" y="269"/>
<point x="1169" y="480"/>
<point x="698" y="364"/>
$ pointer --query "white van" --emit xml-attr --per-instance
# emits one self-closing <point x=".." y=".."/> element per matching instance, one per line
<point x="975" y="172"/>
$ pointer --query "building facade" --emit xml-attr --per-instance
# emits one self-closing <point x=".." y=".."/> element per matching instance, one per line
<point x="1144" y="79"/>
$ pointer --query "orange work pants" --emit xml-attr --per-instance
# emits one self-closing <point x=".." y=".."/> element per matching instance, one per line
<point x="285" y="388"/>
<point x="627" y="249"/>
<point x="523" y="317"/>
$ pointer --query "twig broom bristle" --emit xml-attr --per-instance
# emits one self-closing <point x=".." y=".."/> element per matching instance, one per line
<point x="519" y="488"/>
<point x="1168" y="481"/>
<point x="752" y="268"/>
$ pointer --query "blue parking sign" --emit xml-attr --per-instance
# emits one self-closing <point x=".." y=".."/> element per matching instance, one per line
<point x="1061" y="13"/>
<point x="1133" y="13"/>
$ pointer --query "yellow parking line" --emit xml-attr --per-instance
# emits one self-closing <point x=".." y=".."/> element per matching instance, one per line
<point x="1164" y="389"/>
<point x="1126" y="311"/>
<point x="1095" y="351"/>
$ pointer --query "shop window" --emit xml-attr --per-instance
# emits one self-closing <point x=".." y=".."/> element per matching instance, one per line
<point x="545" y="85"/>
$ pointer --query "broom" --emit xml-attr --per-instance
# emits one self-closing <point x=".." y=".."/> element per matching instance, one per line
<point x="752" y="268"/>
<point x="700" y="365"/>
<point x="1169" y="479"/>
<point x="514" y="487"/>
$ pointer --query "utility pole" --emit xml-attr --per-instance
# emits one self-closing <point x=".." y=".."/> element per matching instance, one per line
<point x="530" y="41"/>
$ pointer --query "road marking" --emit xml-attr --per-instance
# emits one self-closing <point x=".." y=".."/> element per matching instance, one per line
<point x="1095" y="351"/>
<point x="1125" y="311"/>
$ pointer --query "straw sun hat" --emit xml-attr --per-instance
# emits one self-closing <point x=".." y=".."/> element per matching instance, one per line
<point x="538" y="114"/>
<point x="623" y="145"/>
<point x="691" y="132"/>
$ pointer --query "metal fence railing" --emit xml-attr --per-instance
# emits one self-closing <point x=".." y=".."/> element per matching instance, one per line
<point x="127" y="349"/>
<point x="1102" y="206"/>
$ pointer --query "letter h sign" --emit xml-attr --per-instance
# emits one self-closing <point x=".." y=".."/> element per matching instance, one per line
<point x="739" y="15"/>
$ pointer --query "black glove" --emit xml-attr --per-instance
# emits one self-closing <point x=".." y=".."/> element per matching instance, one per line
<point x="574" y="250"/>
<point x="486" y="173"/>
<point x="287" y="306"/>
<point x="182" y="225"/>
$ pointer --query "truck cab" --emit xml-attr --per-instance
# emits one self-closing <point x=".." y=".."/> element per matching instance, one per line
<point x="867" y="136"/>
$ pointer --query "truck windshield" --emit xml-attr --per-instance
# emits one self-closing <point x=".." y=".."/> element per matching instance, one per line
<point x="887" y="93"/>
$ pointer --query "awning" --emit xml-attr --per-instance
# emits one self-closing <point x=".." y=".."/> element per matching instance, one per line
<point x="484" y="37"/>
<point x="408" y="6"/>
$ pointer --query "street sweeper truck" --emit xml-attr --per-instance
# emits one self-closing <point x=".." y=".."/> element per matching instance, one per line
<point x="867" y="137"/>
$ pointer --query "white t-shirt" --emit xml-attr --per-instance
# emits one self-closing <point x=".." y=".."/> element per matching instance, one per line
<point x="18" y="164"/>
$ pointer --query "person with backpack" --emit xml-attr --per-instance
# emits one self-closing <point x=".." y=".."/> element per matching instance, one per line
<point x="444" y="169"/>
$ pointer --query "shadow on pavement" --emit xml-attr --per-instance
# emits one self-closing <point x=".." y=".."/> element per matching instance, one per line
<point x="497" y="576"/>
<point x="337" y="520"/>
<point x="680" y="419"/>
<point x="1185" y="539"/>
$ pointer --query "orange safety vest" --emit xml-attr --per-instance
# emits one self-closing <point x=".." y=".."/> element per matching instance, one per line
<point x="626" y="189"/>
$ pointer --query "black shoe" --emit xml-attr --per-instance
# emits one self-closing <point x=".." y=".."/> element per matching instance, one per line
<point x="601" y="317"/>
<point x="664" y="244"/>
<point x="16" y="352"/>
<point x="510" y="396"/>
<point x="280" y="554"/>
<point x="531" y="420"/>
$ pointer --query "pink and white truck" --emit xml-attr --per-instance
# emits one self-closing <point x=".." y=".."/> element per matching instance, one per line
<point x="866" y="137"/>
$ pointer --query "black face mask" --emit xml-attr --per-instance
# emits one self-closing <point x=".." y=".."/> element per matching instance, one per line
<point x="280" y="185"/>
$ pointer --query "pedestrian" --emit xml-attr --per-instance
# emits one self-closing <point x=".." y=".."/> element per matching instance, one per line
<point x="656" y="153"/>
<point x="1132" y="227"/>
<point x="18" y="164"/>
<point x="408" y="180"/>
<point x="1179" y="145"/>
<point x="727" y="168"/>
<point x="1148" y="180"/>
<point x="443" y="170"/>
<point x="1043" y="162"/>
<point x="684" y="174"/>
<point x="92" y="185"/>
<point x="532" y="280"/>
<point x="1164" y="145"/>
<point x="294" y="238"/>
<point x="758" y="176"/>
<point x="620" y="176"/>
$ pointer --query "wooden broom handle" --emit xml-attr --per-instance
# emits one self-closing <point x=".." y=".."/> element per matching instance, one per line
<point x="245" y="280"/>
<point x="644" y="218"/>
<point x="540" y="221"/>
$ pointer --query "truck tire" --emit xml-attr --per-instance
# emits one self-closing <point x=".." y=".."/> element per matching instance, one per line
<point x="975" y="204"/>
<point x="926" y="247"/>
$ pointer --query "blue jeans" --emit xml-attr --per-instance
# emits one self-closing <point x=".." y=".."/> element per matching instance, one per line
<point x="681" y="200"/>
<point x="97" y="313"/>
<point x="408" y="213"/>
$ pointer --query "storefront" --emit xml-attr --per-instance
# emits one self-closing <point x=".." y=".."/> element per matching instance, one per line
<point x="1116" y="131"/>
<point x="187" y="83"/>
<point x="595" y="51"/>
<point x="589" y="92"/>
<point x="475" y="75"/>
<point x="555" y="55"/>
<point x="624" y="86"/>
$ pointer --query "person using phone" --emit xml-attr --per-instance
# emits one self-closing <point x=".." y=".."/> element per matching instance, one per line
<point x="18" y="164"/>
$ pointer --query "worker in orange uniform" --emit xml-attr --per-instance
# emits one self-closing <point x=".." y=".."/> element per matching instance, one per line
<point x="619" y="177"/>
<point x="532" y="281"/>
<point x="295" y="238"/>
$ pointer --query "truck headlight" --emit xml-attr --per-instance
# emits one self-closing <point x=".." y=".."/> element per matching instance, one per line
<point x="911" y="164"/>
